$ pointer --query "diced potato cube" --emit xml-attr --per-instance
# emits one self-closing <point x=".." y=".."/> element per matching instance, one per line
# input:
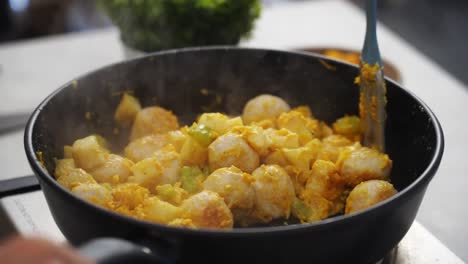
<point x="325" y="130"/>
<point x="301" y="157"/>
<point x="282" y="138"/>
<point x="160" y="211"/>
<point x="325" y="180"/>
<point x="220" y="123"/>
<point x="75" y="177"/>
<point x="126" y="111"/>
<point x="177" y="139"/>
<point x="276" y="157"/>
<point x="90" y="152"/>
<point x="295" y="122"/>
<point x="162" y="168"/>
<point x="255" y="137"/>
<point x="63" y="167"/>
<point x="93" y="192"/>
<point x="317" y="207"/>
<point x="202" y="134"/>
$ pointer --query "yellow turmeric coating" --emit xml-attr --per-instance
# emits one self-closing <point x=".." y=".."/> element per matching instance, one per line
<point x="367" y="194"/>
<point x="369" y="73"/>
<point x="271" y="163"/>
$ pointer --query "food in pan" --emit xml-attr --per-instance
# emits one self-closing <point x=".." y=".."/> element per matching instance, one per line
<point x="272" y="163"/>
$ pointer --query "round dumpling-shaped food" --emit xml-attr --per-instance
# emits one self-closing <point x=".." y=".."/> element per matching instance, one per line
<point x="264" y="107"/>
<point x="232" y="150"/>
<point x="274" y="193"/>
<point x="367" y="194"/>
<point x="234" y="186"/>
<point x="144" y="147"/>
<point x="153" y="120"/>
<point x="357" y="164"/>
<point x="207" y="209"/>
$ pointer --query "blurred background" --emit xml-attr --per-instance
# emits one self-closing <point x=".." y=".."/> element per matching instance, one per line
<point x="437" y="28"/>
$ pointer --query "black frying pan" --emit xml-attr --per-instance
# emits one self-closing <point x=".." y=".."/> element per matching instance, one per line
<point x="173" y="79"/>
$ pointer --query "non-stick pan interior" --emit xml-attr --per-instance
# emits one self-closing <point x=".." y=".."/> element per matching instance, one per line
<point x="222" y="79"/>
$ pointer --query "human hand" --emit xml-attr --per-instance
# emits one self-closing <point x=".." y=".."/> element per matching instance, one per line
<point x="20" y="250"/>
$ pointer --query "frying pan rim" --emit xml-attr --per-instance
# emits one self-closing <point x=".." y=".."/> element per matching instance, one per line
<point x="45" y="176"/>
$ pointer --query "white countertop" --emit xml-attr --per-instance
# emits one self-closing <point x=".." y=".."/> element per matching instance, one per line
<point x="31" y="70"/>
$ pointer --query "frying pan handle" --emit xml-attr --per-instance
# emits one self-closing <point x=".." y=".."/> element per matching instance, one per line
<point x="111" y="250"/>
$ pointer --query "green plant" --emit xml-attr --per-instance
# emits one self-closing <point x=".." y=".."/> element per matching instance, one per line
<point x="151" y="25"/>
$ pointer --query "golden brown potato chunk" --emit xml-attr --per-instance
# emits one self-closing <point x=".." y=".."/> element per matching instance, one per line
<point x="219" y="123"/>
<point x="296" y="122"/>
<point x="325" y="180"/>
<point x="160" y="211"/>
<point x="93" y="192"/>
<point x="90" y="152"/>
<point x="126" y="111"/>
<point x="162" y="168"/>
